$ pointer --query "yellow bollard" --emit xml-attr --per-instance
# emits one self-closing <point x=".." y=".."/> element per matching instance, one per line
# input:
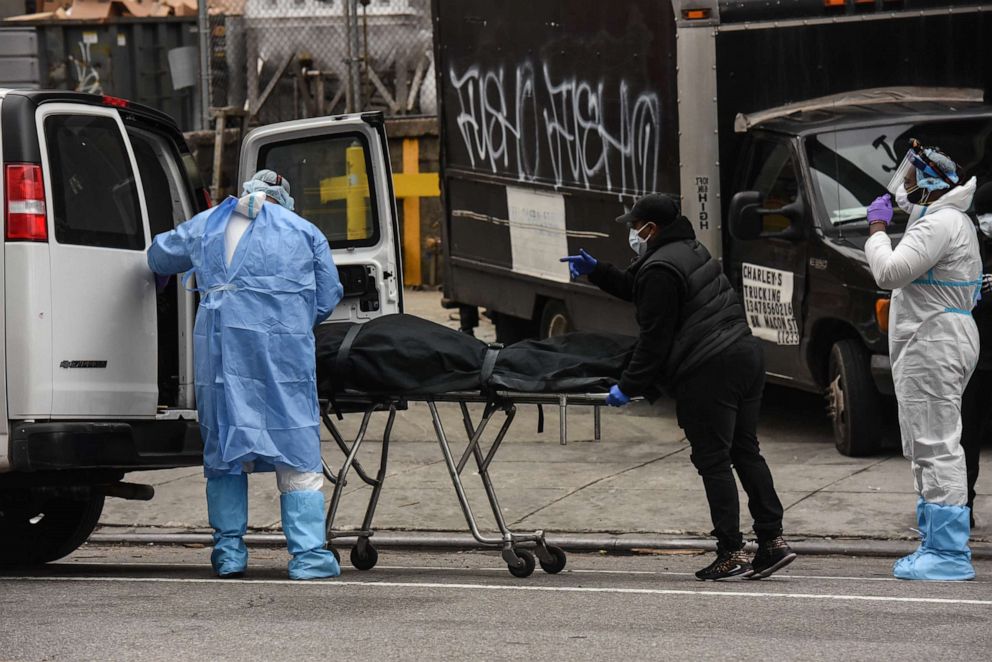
<point x="356" y="197"/>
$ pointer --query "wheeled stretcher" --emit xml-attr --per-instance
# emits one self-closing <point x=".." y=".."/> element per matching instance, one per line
<point x="515" y="547"/>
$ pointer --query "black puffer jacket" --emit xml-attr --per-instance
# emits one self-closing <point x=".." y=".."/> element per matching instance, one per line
<point x="686" y="309"/>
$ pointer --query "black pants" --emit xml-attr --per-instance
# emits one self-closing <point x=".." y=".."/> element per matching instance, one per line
<point x="975" y="405"/>
<point x="718" y="406"/>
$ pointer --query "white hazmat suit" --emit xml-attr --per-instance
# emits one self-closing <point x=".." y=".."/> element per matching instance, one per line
<point x="934" y="274"/>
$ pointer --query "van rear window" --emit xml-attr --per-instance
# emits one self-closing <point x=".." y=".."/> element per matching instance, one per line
<point x="94" y="197"/>
<point x="330" y="183"/>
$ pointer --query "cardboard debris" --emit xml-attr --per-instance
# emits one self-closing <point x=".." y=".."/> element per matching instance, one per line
<point x="183" y="7"/>
<point x="102" y="10"/>
<point x="40" y="16"/>
<point x="91" y="10"/>
<point x="139" y="8"/>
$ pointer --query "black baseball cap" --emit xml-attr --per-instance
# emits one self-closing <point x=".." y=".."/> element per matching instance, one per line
<point x="652" y="208"/>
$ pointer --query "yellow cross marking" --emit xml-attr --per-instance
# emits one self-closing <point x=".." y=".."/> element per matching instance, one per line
<point x="408" y="186"/>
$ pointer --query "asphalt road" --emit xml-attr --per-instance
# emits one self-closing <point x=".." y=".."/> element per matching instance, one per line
<point x="155" y="603"/>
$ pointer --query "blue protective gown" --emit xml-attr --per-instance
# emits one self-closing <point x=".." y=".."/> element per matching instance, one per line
<point x="253" y="342"/>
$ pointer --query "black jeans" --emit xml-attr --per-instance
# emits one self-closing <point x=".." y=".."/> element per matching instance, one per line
<point x="718" y="406"/>
<point x="975" y="405"/>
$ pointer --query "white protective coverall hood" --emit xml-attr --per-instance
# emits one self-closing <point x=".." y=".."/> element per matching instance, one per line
<point x="934" y="274"/>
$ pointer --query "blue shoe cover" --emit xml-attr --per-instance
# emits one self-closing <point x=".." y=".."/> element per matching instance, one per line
<point x="944" y="554"/>
<point x="921" y="524"/>
<point x="303" y="526"/>
<point x="227" y="510"/>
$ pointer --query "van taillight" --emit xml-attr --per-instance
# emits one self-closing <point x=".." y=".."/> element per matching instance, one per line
<point x="24" y="208"/>
<point x="206" y="197"/>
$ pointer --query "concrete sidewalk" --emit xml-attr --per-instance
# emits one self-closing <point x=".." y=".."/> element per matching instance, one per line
<point x="638" y="479"/>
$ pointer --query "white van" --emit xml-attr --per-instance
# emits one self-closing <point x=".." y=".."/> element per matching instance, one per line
<point x="96" y="367"/>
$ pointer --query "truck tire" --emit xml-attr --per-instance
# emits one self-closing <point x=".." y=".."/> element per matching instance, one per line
<point x="853" y="402"/>
<point x="554" y="320"/>
<point x="38" y="532"/>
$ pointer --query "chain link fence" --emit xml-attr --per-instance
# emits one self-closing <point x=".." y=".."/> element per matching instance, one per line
<point x="291" y="59"/>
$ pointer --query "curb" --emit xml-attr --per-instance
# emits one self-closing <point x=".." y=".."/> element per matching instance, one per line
<point x="620" y="544"/>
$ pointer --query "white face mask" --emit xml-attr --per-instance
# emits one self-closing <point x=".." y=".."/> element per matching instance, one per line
<point x="637" y="244"/>
<point x="985" y="224"/>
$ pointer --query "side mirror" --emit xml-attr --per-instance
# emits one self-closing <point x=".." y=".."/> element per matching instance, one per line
<point x="743" y="216"/>
<point x="746" y="218"/>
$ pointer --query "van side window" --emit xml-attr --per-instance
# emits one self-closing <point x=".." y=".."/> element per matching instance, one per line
<point x="773" y="173"/>
<point x="94" y="197"/>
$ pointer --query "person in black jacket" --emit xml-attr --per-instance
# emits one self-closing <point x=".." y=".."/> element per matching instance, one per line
<point x="977" y="399"/>
<point x="695" y="344"/>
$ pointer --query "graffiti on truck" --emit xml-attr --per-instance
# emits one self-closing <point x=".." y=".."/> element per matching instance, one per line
<point x="567" y="131"/>
<point x="86" y="73"/>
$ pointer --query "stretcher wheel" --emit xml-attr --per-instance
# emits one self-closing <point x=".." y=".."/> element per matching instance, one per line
<point x="336" y="553"/>
<point x="557" y="564"/>
<point x="364" y="559"/>
<point x="525" y="570"/>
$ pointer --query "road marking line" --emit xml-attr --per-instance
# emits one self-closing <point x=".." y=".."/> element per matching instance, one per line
<point x="500" y="570"/>
<point x="507" y="587"/>
<point x="656" y="573"/>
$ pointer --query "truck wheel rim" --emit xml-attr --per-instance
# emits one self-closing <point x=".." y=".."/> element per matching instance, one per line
<point x="558" y="325"/>
<point x="835" y="400"/>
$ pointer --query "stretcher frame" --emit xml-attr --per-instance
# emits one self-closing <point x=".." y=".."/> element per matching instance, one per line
<point x="515" y="547"/>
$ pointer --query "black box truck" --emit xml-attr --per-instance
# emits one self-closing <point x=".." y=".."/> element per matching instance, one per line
<point x="775" y="123"/>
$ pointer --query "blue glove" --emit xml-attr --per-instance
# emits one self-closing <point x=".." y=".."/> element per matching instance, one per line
<point x="616" y="398"/>
<point x="880" y="211"/>
<point x="580" y="265"/>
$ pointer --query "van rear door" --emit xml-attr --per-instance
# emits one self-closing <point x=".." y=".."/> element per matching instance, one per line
<point x="172" y="192"/>
<point x="103" y="331"/>
<point x="339" y="172"/>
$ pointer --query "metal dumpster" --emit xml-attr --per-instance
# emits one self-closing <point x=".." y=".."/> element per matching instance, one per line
<point x="126" y="57"/>
<point x="19" y="59"/>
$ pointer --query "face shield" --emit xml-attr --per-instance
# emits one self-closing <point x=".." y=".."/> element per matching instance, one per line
<point x="925" y="172"/>
<point x="901" y="175"/>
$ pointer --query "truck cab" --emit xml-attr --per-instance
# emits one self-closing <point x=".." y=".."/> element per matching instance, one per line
<point x="797" y="233"/>
<point x="96" y="365"/>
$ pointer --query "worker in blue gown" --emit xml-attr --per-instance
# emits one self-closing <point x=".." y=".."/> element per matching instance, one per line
<point x="266" y="278"/>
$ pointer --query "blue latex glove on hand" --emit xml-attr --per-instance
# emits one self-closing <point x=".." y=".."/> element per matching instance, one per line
<point x="880" y="211"/>
<point x="580" y="265"/>
<point x="161" y="281"/>
<point x="616" y="397"/>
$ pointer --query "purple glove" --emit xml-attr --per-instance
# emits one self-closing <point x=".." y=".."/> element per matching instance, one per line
<point x="161" y="281"/>
<point x="880" y="211"/>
